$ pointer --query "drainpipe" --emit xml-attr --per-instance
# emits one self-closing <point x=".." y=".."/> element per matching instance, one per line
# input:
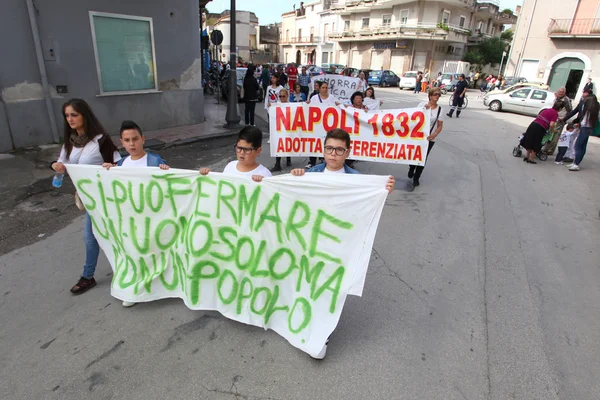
<point x="42" y="67"/>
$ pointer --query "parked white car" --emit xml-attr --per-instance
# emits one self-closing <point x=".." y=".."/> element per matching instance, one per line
<point x="408" y="80"/>
<point x="527" y="100"/>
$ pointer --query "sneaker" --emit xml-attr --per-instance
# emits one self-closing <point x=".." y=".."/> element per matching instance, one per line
<point x="308" y="166"/>
<point x="574" y="167"/>
<point x="129" y="304"/>
<point x="83" y="285"/>
<point x="558" y="162"/>
<point x="416" y="182"/>
<point x="449" y="115"/>
<point x="322" y="353"/>
<point x="570" y="165"/>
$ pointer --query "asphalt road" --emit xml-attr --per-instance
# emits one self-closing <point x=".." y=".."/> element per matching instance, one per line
<point x="484" y="283"/>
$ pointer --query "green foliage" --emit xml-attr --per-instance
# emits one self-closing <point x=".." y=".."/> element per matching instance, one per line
<point x="489" y="51"/>
<point x="443" y="26"/>
<point x="507" y="35"/>
<point x="507" y="11"/>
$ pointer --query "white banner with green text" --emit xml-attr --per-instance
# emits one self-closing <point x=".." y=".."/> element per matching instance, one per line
<point x="282" y="254"/>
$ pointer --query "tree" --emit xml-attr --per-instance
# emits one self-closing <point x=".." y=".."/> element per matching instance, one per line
<point x="507" y="35"/>
<point x="488" y="51"/>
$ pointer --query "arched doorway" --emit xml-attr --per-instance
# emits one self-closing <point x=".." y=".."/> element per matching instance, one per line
<point x="298" y="57"/>
<point x="567" y="72"/>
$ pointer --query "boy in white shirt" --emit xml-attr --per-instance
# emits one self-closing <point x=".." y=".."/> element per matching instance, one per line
<point x="564" y="141"/>
<point x="247" y="149"/>
<point x="133" y="140"/>
<point x="570" y="155"/>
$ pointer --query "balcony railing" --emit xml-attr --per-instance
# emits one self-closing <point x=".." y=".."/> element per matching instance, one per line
<point x="399" y="29"/>
<point x="574" y="27"/>
<point x="301" y="40"/>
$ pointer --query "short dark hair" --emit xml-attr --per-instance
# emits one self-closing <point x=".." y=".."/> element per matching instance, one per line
<point x="252" y="135"/>
<point x="558" y="105"/>
<point x="340" y="134"/>
<point x="127" y="124"/>
<point x="570" y="126"/>
<point x="354" y="95"/>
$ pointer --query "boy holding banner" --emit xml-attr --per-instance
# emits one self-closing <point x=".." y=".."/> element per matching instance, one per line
<point x="132" y="140"/>
<point x="247" y="149"/>
<point x="336" y="151"/>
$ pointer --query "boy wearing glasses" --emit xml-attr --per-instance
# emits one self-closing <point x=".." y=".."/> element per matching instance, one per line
<point x="337" y="149"/>
<point x="247" y="149"/>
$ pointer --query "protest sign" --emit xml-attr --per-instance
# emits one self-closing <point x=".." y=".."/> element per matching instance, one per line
<point x="340" y="87"/>
<point x="282" y="254"/>
<point x="389" y="136"/>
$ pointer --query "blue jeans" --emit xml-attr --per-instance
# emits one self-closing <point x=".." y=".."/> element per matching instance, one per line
<point x="92" y="249"/>
<point x="581" y="144"/>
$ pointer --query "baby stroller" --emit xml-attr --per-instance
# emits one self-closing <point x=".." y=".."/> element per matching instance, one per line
<point x="518" y="150"/>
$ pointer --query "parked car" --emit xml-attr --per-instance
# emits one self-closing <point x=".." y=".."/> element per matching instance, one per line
<point x="508" y="89"/>
<point x="450" y="80"/>
<point x="384" y="78"/>
<point x="240" y="72"/>
<point x="527" y="100"/>
<point x="408" y="80"/>
<point x="329" y="66"/>
<point x="353" y="72"/>
<point x="512" y="80"/>
<point x="338" y="71"/>
<point x="313" y="70"/>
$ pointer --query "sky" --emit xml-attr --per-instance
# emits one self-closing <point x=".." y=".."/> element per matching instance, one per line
<point x="269" y="11"/>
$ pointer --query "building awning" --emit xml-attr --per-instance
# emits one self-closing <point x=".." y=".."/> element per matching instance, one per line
<point x="309" y="50"/>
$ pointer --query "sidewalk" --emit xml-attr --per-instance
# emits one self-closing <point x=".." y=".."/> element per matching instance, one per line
<point x="25" y="188"/>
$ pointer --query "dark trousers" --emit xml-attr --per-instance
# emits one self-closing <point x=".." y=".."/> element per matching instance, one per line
<point x="249" y="112"/>
<point x="581" y="144"/>
<point x="457" y="103"/>
<point x="561" y="153"/>
<point x="417" y="170"/>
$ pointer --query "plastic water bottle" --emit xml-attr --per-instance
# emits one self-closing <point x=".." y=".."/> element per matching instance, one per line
<point x="58" y="180"/>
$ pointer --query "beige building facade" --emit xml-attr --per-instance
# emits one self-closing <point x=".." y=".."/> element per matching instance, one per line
<point x="403" y="35"/>
<point x="305" y="34"/>
<point x="556" y="42"/>
<point x="246" y="34"/>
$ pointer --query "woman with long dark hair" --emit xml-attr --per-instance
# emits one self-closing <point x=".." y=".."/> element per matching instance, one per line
<point x="588" y="119"/>
<point x="86" y="142"/>
<point x="251" y="89"/>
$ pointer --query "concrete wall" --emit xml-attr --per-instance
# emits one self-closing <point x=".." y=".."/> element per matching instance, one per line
<point x="66" y="23"/>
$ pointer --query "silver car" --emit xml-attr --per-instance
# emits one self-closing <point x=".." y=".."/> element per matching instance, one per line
<point x="528" y="101"/>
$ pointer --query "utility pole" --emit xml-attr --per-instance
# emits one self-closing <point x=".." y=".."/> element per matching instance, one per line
<point x="232" y="117"/>
<point x="501" y="62"/>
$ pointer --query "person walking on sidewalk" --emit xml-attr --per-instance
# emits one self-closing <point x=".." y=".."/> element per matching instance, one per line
<point x="419" y="79"/>
<point x="588" y="118"/>
<point x="292" y="73"/>
<point x="265" y="79"/>
<point x="85" y="142"/>
<point x="436" y="126"/>
<point x="304" y="81"/>
<point x="251" y="89"/>
<point x="589" y="86"/>
<point x="558" y="126"/>
<point x="458" y="98"/>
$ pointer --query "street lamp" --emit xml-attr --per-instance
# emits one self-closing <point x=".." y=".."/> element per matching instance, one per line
<point x="501" y="62"/>
<point x="232" y="117"/>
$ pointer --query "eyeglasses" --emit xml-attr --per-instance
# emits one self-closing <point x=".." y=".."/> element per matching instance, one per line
<point x="245" y="150"/>
<point x="436" y="94"/>
<point x="339" y="151"/>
